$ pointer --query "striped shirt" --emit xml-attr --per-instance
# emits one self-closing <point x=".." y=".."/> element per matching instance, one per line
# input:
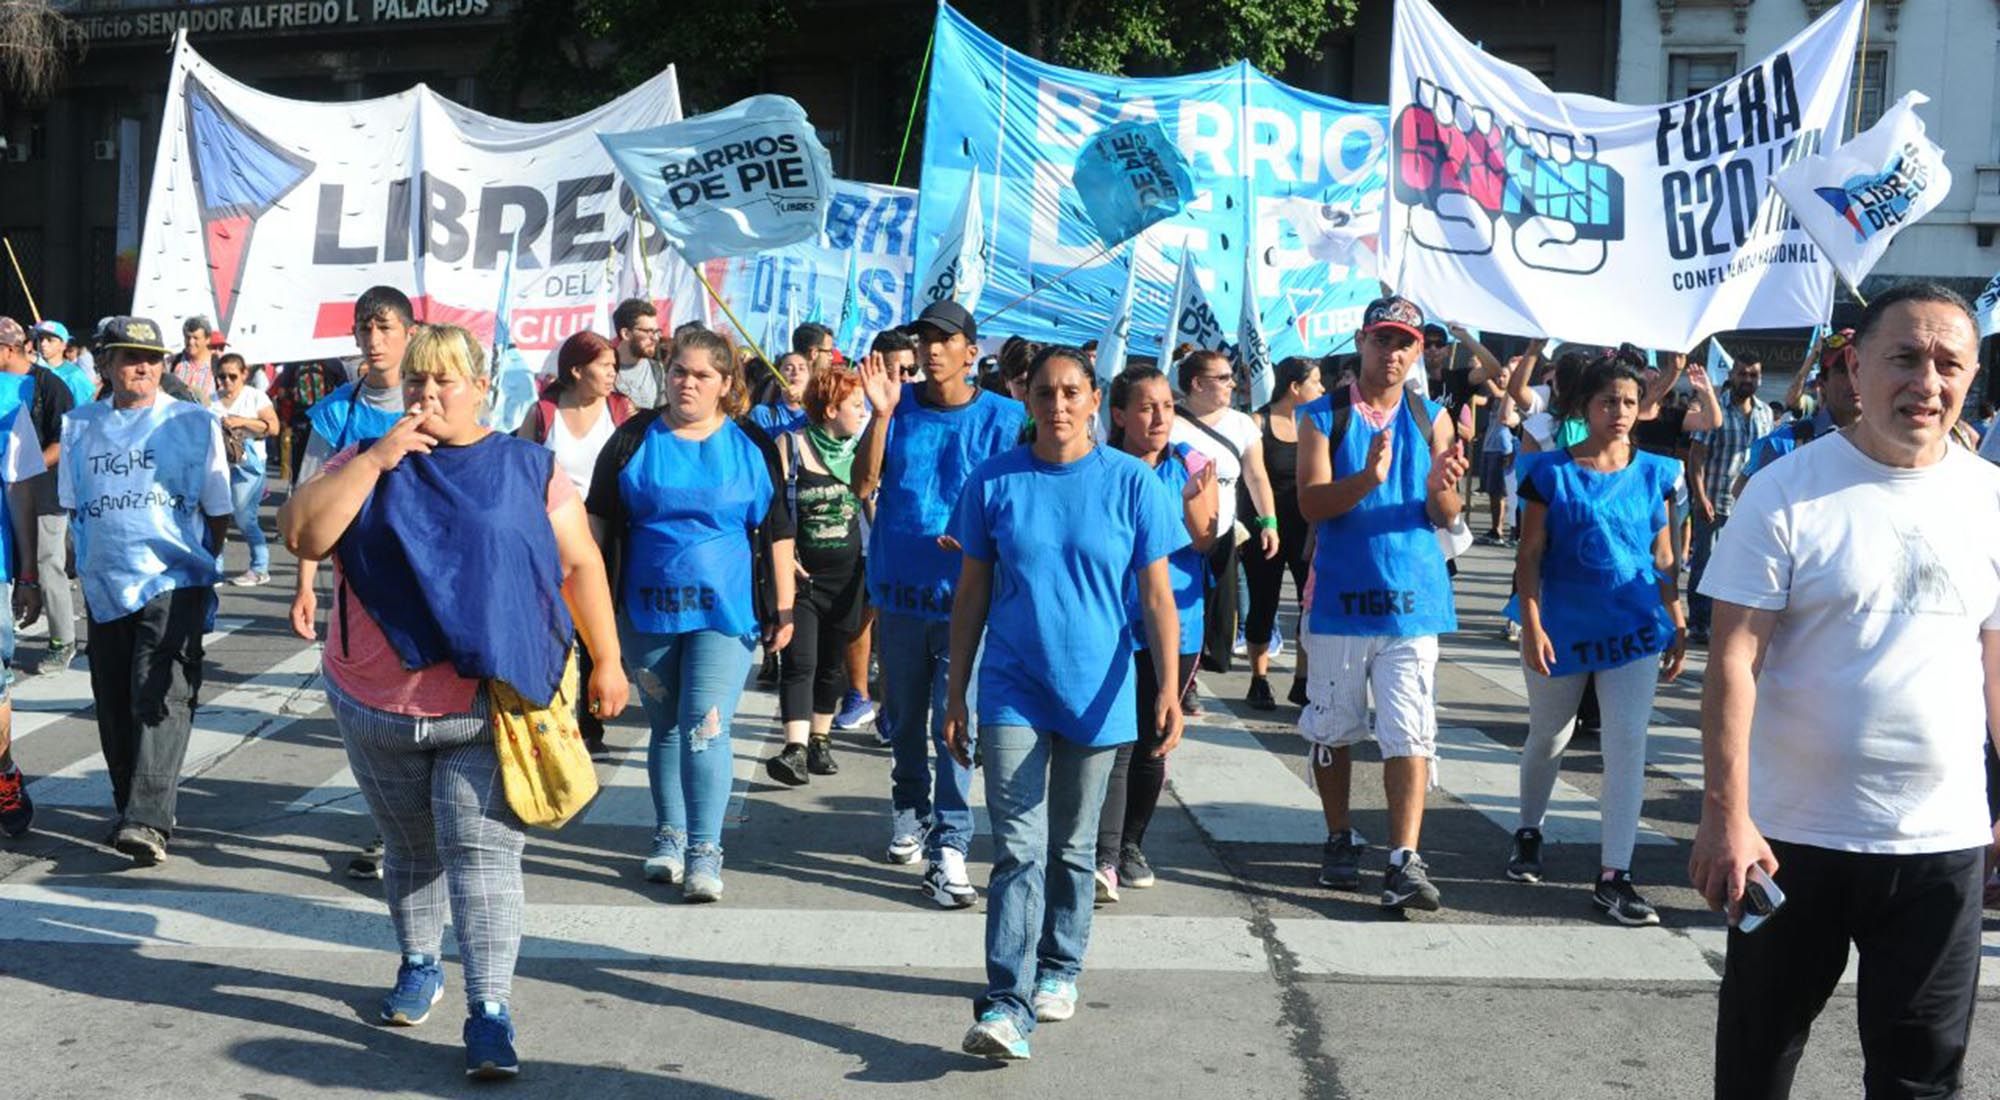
<point x="1729" y="448"/>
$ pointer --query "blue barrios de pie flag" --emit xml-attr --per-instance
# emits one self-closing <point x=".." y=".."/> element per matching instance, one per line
<point x="1130" y="176"/>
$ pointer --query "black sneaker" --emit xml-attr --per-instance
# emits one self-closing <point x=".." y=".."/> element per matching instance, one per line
<point x="1298" y="695"/>
<point x="1409" y="886"/>
<point x="368" y="864"/>
<point x="598" y="750"/>
<point x="819" y="757"/>
<point x="146" y="845"/>
<point x="1133" y="870"/>
<point x="1524" y="863"/>
<point x="1340" y="861"/>
<point x="767" y="674"/>
<point x="789" y="767"/>
<point x="1260" y="697"/>
<point x="1622" y="903"/>
<point x="1191" y="702"/>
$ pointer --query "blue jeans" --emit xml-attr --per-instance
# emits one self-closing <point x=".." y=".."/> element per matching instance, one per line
<point x="1044" y="793"/>
<point x="916" y="661"/>
<point x="246" y="495"/>
<point x="1701" y="608"/>
<point x="689" y="685"/>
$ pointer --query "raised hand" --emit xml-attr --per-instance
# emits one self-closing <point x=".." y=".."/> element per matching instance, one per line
<point x="883" y="389"/>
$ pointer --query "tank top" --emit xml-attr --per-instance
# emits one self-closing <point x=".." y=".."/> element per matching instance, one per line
<point x="1281" y="465"/>
<point x="1378" y="569"/>
<point x="827" y="514"/>
<point x="577" y="455"/>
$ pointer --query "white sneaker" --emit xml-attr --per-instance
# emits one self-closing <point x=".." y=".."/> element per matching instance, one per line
<point x="250" y="578"/>
<point x="905" y="848"/>
<point x="1054" y="1000"/>
<point x="946" y="882"/>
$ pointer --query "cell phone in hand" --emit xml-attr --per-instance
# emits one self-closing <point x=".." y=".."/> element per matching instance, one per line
<point x="1761" y="899"/>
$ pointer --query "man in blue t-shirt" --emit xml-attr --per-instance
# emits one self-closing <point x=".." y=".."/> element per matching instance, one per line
<point x="920" y="450"/>
<point x="357" y="412"/>
<point x="1377" y="478"/>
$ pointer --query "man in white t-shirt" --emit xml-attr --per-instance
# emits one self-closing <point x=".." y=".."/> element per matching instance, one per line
<point x="1853" y="674"/>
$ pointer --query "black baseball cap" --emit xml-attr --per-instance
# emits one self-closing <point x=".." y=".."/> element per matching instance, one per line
<point x="137" y="333"/>
<point x="947" y="317"/>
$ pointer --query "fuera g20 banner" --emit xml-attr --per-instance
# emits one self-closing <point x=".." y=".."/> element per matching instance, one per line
<point x="1519" y="209"/>
<point x="272" y="215"/>
<point x="1291" y="178"/>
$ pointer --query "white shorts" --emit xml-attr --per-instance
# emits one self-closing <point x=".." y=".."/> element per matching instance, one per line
<point x="1341" y="669"/>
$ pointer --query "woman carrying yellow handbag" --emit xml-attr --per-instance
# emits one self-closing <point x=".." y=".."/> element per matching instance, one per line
<point x="464" y="571"/>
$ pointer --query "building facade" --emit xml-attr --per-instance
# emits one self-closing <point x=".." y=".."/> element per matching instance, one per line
<point x="1947" y="49"/>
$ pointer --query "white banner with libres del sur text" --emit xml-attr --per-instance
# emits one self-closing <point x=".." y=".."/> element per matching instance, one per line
<point x="271" y="215"/>
<point x="1514" y="208"/>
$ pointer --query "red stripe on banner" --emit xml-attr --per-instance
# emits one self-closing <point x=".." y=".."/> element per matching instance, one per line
<point x="532" y="328"/>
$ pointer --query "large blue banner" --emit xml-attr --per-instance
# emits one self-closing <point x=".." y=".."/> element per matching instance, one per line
<point x="1295" y="178"/>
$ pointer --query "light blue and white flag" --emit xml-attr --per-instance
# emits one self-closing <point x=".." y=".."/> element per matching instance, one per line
<point x="1112" y="346"/>
<point x="1190" y="319"/>
<point x="749" y="177"/>
<point x="1987" y="308"/>
<point x="851" y="336"/>
<point x="1720" y="363"/>
<point x="1854" y="200"/>
<point x="1252" y="351"/>
<point x="1131" y="176"/>
<point x="957" y="268"/>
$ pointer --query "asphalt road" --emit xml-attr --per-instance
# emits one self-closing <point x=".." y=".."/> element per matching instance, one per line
<point x="248" y="966"/>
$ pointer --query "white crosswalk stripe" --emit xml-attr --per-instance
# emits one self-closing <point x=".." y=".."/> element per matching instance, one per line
<point x="42" y="701"/>
<point x="254" y="709"/>
<point x="194" y="920"/>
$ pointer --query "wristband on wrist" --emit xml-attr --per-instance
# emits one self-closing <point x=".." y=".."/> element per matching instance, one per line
<point x="1267" y="523"/>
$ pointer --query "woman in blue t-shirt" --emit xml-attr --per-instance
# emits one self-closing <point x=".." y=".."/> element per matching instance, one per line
<point x="1142" y="416"/>
<point x="1052" y="534"/>
<point x="1598" y="599"/>
<point x="693" y="519"/>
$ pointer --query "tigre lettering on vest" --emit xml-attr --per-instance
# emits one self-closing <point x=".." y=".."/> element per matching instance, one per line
<point x="1379" y="601"/>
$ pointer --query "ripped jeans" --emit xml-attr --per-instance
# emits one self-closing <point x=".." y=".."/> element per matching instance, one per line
<point x="689" y="685"/>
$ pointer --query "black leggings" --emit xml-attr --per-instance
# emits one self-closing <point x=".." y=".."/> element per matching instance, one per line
<point x="1137" y="776"/>
<point x="1267" y="579"/>
<point x="812" y="670"/>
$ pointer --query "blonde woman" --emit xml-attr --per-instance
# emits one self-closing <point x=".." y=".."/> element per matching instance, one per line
<point x="526" y="578"/>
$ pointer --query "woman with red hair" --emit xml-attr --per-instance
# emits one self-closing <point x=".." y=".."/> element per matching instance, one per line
<point x="575" y="418"/>
<point x="818" y="461"/>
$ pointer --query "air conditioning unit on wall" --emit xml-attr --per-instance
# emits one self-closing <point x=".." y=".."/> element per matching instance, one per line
<point x="104" y="150"/>
<point x="17" y="152"/>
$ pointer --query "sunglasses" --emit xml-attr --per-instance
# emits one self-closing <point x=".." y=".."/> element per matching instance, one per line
<point x="1434" y="347"/>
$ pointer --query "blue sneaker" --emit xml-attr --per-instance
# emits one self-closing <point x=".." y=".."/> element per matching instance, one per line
<point x="489" y="1043"/>
<point x="856" y="711"/>
<point x="668" y="859"/>
<point x="996" y="1037"/>
<point x="419" y="984"/>
<point x="1054" y="1001"/>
